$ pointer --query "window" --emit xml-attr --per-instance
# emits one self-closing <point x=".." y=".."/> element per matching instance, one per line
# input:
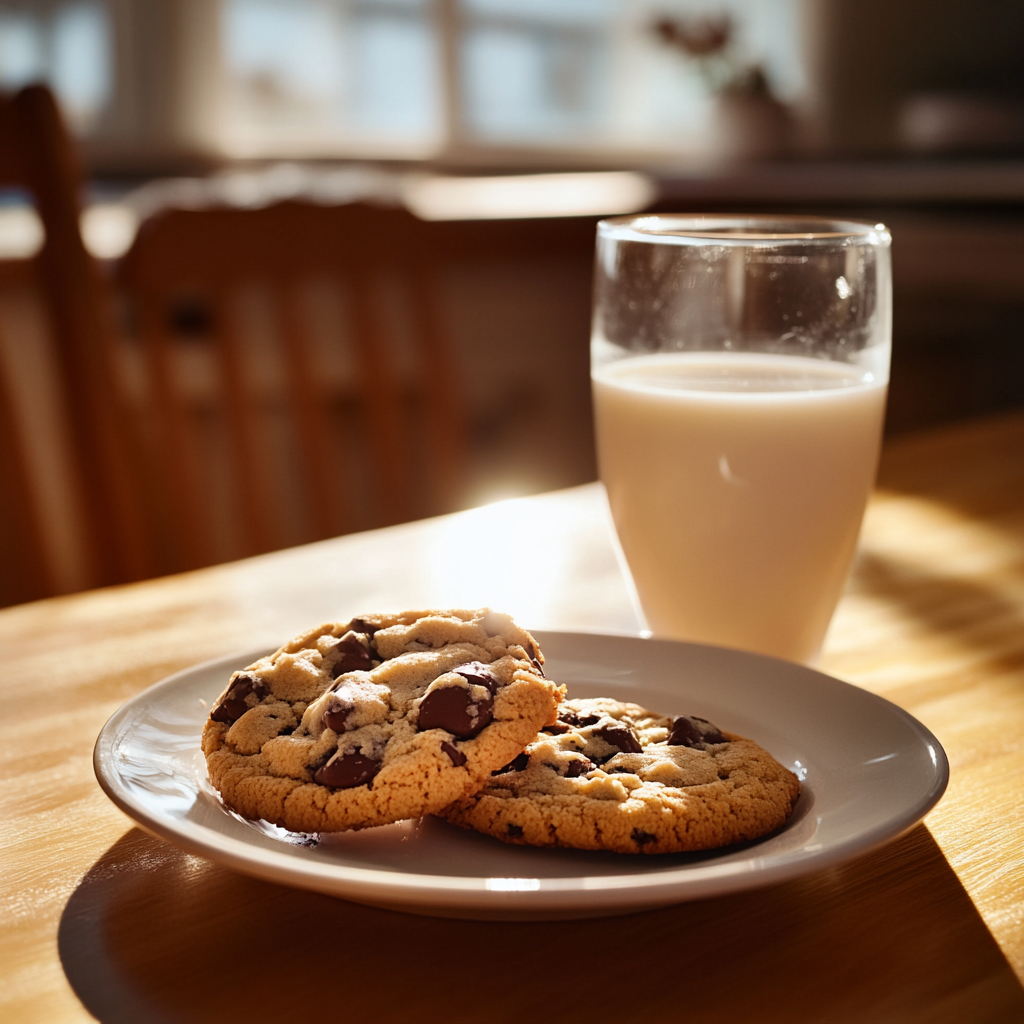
<point x="458" y="79"/>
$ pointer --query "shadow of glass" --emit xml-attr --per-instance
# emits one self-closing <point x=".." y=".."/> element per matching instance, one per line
<point x="972" y="465"/>
<point x="153" y="934"/>
<point x="965" y="612"/>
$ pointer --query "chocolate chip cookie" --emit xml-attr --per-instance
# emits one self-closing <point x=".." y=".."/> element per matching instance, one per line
<point x="608" y="775"/>
<point x="377" y="719"/>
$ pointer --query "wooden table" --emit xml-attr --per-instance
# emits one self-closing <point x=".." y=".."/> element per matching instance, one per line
<point x="97" y="917"/>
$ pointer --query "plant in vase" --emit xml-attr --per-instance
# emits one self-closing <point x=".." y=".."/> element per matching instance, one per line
<point x="750" y="121"/>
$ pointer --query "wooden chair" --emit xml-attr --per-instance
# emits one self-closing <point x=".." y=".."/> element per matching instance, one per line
<point x="38" y="156"/>
<point x="295" y="383"/>
<point x="278" y="375"/>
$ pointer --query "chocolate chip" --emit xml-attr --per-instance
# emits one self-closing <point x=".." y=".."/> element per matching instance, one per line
<point x="534" y="654"/>
<point x="557" y="729"/>
<point x="711" y="733"/>
<point x="229" y="711"/>
<point x="515" y="831"/>
<point x="453" y="709"/>
<point x="578" y="766"/>
<point x="457" y="756"/>
<point x="233" y="706"/>
<point x="689" y="731"/>
<point x="244" y="685"/>
<point x="337" y="714"/>
<point x="517" y="764"/>
<point x="621" y="737"/>
<point x="355" y="656"/>
<point x="480" y="674"/>
<point x="574" y="719"/>
<point x="643" y="838"/>
<point x="362" y="626"/>
<point x="684" y="733"/>
<point x="344" y="771"/>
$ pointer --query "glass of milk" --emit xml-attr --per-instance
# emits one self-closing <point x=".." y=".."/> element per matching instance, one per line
<point x="740" y="367"/>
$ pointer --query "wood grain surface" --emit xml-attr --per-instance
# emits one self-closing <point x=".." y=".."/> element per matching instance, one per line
<point x="101" y="920"/>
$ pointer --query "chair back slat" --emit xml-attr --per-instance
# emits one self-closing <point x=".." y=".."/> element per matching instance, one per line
<point x="254" y="489"/>
<point x="444" y="415"/>
<point x="310" y="416"/>
<point x="175" y="486"/>
<point x="378" y="389"/>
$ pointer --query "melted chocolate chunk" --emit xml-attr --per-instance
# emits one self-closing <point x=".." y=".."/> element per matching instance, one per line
<point x="711" y="732"/>
<point x="479" y="674"/>
<point x="573" y="719"/>
<point x="515" y="831"/>
<point x="337" y="714"/>
<point x="355" y="657"/>
<point x="579" y="766"/>
<point x="621" y="737"/>
<point x="557" y="729"/>
<point x="362" y="626"/>
<point x="643" y="838"/>
<point x="452" y="708"/>
<point x="534" y="656"/>
<point x="345" y="771"/>
<point x="517" y="764"/>
<point x="233" y="706"/>
<point x="684" y="733"/>
<point x="690" y="731"/>
<point x="457" y="756"/>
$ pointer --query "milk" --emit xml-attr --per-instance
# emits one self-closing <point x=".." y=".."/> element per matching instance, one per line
<point x="737" y="483"/>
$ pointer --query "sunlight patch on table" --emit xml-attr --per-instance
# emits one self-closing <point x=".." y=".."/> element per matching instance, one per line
<point x="508" y="556"/>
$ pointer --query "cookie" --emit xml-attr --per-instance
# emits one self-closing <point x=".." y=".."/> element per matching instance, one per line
<point x="613" y="776"/>
<point x="378" y="719"/>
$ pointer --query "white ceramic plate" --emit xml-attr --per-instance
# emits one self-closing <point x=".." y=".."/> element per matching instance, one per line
<point x="870" y="771"/>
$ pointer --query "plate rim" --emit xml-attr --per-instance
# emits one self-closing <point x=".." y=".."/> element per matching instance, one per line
<point x="436" y="893"/>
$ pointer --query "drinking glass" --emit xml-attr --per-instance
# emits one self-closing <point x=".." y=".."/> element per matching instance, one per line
<point x="740" y="367"/>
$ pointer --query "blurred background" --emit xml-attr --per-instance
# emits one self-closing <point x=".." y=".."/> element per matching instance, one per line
<point x="490" y="135"/>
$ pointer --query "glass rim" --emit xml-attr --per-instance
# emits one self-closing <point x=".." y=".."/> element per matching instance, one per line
<point x="740" y="229"/>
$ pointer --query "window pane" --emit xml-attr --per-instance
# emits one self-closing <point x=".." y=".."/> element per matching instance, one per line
<point x="81" y="59"/>
<point x="566" y="11"/>
<point x="537" y="77"/>
<point x="332" y="69"/>
<point x="67" y="45"/>
<point x="395" y="80"/>
<point x="22" y="56"/>
<point x="284" y="60"/>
